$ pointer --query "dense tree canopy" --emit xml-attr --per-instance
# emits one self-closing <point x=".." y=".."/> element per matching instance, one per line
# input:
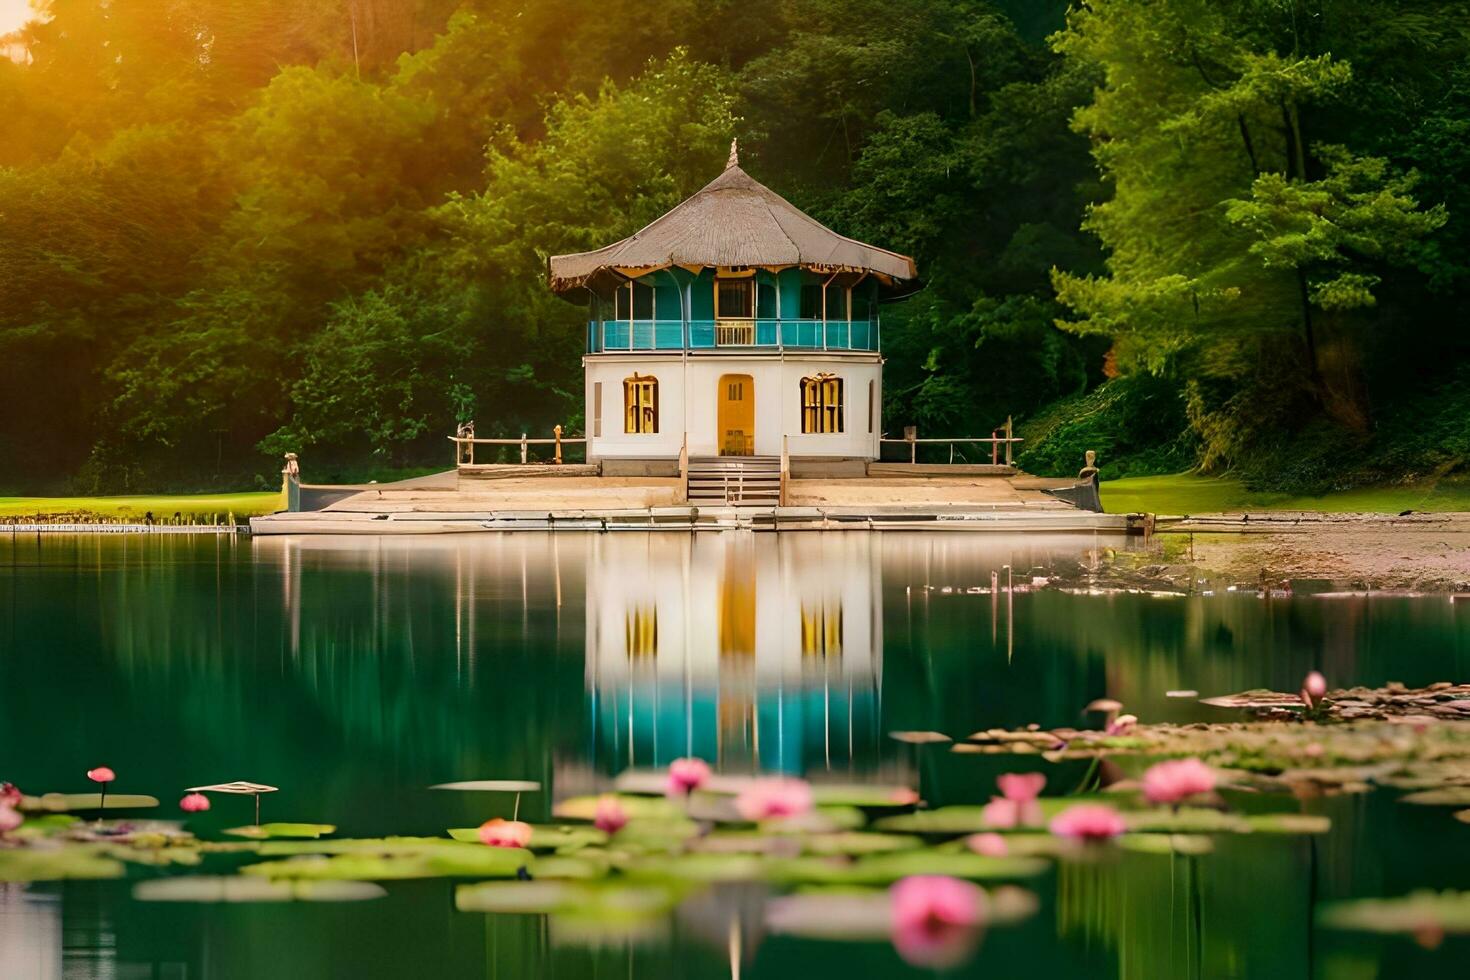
<point x="230" y="229"/>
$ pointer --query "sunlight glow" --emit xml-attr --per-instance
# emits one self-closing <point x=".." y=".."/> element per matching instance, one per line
<point x="14" y="13"/>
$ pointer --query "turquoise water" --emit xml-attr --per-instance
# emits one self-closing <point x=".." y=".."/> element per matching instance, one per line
<point x="353" y="673"/>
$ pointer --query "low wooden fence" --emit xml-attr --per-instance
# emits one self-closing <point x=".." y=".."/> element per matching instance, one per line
<point x="1000" y="441"/>
<point x="464" y="446"/>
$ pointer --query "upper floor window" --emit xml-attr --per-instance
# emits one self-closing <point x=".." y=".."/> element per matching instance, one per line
<point x="634" y="301"/>
<point x="821" y="403"/>
<point x="640" y="404"/>
<point x="735" y="299"/>
<point x="822" y="300"/>
<point x="811" y="301"/>
<point x="766" y="303"/>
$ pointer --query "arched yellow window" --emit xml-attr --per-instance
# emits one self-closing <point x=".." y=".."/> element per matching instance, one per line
<point x="640" y="625"/>
<point x="640" y="404"/>
<point x="821" y="403"/>
<point x="821" y="630"/>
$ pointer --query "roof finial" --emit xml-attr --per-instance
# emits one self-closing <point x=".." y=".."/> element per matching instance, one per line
<point x="734" y="160"/>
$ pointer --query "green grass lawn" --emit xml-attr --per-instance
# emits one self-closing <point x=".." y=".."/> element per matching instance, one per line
<point x="1186" y="493"/>
<point x="1181" y="493"/>
<point x="196" y="506"/>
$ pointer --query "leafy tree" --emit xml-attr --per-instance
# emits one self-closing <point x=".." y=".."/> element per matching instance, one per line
<point x="1236" y="230"/>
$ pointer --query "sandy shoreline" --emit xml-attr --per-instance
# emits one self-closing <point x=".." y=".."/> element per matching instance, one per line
<point x="1418" y="552"/>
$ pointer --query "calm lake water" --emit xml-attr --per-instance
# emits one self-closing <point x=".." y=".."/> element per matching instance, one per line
<point x="353" y="673"/>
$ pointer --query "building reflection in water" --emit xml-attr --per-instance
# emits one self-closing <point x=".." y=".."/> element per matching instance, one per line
<point x="753" y="657"/>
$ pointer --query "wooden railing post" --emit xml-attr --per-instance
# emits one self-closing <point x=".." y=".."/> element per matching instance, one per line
<point x="523" y="449"/>
<point x="684" y="470"/>
<point x="785" y="469"/>
<point x="911" y="435"/>
<point x="1008" y="440"/>
<point x="291" y="483"/>
<point x="556" y="431"/>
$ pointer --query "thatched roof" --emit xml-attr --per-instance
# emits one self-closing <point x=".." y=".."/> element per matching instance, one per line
<point x="734" y="220"/>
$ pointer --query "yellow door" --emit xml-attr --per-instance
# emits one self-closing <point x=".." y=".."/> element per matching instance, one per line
<point x="737" y="415"/>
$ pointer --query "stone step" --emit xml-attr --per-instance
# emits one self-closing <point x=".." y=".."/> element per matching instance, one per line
<point x="735" y="480"/>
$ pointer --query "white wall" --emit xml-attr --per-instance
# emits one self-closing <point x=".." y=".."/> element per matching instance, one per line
<point x="777" y="403"/>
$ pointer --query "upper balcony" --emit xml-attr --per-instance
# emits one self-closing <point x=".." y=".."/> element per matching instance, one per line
<point x="613" y="336"/>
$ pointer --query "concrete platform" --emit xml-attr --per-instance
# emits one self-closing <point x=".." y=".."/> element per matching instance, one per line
<point x="909" y="500"/>
<point x="693" y="519"/>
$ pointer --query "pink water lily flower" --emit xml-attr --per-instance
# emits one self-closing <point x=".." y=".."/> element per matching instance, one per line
<point x="10" y="818"/>
<point x="498" y="832"/>
<point x="778" y="796"/>
<point x="101" y="774"/>
<point x="9" y="795"/>
<point x="1177" y="780"/>
<point x="194" y="803"/>
<point x="989" y="845"/>
<point x="1016" y="806"/>
<point x="1021" y="787"/>
<point x="1001" y="813"/>
<point x="609" y="817"/>
<point x="936" y="919"/>
<point x="686" y="776"/>
<point x="1314" y="686"/>
<point x="1122" y="725"/>
<point x="1088" y="822"/>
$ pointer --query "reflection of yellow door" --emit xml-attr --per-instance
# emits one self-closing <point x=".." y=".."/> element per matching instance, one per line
<point x="737" y="415"/>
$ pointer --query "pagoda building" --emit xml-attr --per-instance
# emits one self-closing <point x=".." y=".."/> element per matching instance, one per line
<point x="733" y="325"/>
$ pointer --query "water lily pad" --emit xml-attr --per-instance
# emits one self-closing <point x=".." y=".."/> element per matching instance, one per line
<point x="269" y="831"/>
<point x="855" y="842"/>
<point x="603" y="901"/>
<point x="854" y="914"/>
<point x="821" y="820"/>
<point x="1463" y="816"/>
<point x="636" y="807"/>
<point x="920" y="738"/>
<point x="57" y="863"/>
<point x="238" y="787"/>
<point x="1167" y="843"/>
<point x="491" y="786"/>
<point x="970" y="819"/>
<point x="1289" y="823"/>
<point x="65" y="802"/>
<point x="833" y="914"/>
<point x="1421" y="911"/>
<point x="44" y="825"/>
<point x="586" y="864"/>
<point x="525" y="897"/>
<point x="696" y="867"/>
<point x="842" y="842"/>
<point x="386" y="846"/>
<point x="883" y="869"/>
<point x="1449" y="796"/>
<point x="157" y="856"/>
<point x="657" y="835"/>
<point x="1256" y="700"/>
<point x="444" y="859"/>
<point x="226" y="888"/>
<point x="1186" y="820"/>
<point x="544" y="838"/>
<point x="860" y="795"/>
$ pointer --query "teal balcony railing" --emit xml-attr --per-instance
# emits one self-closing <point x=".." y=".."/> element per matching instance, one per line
<point x="612" y="336"/>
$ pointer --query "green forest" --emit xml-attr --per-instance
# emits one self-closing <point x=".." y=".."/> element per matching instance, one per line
<point x="1230" y="236"/>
